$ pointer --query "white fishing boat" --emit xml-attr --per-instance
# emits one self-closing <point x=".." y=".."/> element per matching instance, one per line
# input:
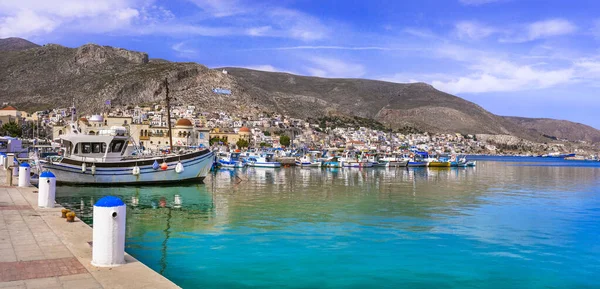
<point x="12" y="145"/>
<point x="104" y="158"/>
<point x="309" y="160"/>
<point x="230" y="160"/>
<point x="101" y="159"/>
<point x="263" y="161"/>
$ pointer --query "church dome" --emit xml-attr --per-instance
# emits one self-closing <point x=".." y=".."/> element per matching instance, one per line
<point x="184" y="122"/>
<point x="244" y="129"/>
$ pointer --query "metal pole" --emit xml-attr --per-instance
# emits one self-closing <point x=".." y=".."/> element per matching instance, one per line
<point x="169" y="115"/>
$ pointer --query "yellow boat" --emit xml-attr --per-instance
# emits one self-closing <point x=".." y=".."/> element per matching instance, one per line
<point x="439" y="164"/>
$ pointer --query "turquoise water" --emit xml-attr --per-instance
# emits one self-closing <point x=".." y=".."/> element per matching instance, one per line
<point x="500" y="225"/>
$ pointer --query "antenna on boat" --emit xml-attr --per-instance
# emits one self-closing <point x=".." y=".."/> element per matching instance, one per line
<point x="73" y="111"/>
<point x="169" y="115"/>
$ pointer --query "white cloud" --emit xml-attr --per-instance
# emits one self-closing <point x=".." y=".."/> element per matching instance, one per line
<point x="473" y="30"/>
<point x="222" y="8"/>
<point x="553" y="27"/>
<point x="542" y="29"/>
<point x="25" y="23"/>
<point x="334" y="68"/>
<point x="298" y="25"/>
<point x="421" y="33"/>
<point x="27" y="18"/>
<point x="184" y="52"/>
<point x="494" y="75"/>
<point x="267" y="21"/>
<point x="334" y="47"/>
<point x="259" y="31"/>
<point x="262" y="67"/>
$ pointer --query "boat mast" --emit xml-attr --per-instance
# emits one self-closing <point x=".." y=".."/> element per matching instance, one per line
<point x="169" y="115"/>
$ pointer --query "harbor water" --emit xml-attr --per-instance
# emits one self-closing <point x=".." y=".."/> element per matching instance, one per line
<point x="507" y="223"/>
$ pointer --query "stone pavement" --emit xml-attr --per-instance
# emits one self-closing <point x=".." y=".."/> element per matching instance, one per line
<point x="31" y="255"/>
<point x="38" y="249"/>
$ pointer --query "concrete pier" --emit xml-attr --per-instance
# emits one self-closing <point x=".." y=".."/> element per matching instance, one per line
<point x="39" y="249"/>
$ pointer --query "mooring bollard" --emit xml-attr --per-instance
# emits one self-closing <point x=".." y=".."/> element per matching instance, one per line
<point x="3" y="162"/>
<point x="9" y="176"/>
<point x="47" y="190"/>
<point x="24" y="169"/>
<point x="108" y="246"/>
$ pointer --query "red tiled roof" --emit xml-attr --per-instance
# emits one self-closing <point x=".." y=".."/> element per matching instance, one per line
<point x="9" y="108"/>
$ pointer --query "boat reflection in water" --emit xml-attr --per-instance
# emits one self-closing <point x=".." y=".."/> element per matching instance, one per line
<point x="312" y="228"/>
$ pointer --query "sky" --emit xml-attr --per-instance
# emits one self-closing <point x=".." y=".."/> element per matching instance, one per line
<point x="529" y="58"/>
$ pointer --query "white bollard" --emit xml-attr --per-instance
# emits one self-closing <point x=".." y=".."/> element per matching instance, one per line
<point x="3" y="162"/>
<point x="24" y="169"/>
<point x="108" y="247"/>
<point x="47" y="190"/>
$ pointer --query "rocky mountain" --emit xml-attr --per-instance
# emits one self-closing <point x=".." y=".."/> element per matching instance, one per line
<point x="416" y="105"/>
<point x="13" y="43"/>
<point x="561" y="129"/>
<point x="53" y="75"/>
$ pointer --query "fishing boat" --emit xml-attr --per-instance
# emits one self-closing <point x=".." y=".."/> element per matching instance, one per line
<point x="417" y="159"/>
<point x="230" y="160"/>
<point x="309" y="160"/>
<point x="463" y="162"/>
<point x="265" y="160"/>
<point x="394" y="161"/>
<point x="333" y="162"/>
<point x="376" y="161"/>
<point x="414" y="163"/>
<point x="101" y="159"/>
<point x="12" y="145"/>
<point x="104" y="158"/>
<point x="441" y="162"/>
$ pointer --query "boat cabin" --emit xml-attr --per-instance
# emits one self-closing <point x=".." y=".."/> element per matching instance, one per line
<point x="107" y="145"/>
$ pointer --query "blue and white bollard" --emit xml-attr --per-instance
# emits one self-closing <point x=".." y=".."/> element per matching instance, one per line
<point x="24" y="169"/>
<point x="3" y="161"/>
<point x="47" y="190"/>
<point x="108" y="247"/>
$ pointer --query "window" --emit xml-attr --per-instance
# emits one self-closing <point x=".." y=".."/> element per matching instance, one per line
<point x="86" y="148"/>
<point x="116" y="146"/>
<point x="76" y="151"/>
<point x="97" y="147"/>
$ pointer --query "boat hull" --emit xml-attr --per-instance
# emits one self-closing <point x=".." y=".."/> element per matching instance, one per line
<point x="416" y="164"/>
<point x="196" y="167"/>
<point x="309" y="164"/>
<point x="264" y="165"/>
<point x="397" y="164"/>
<point x="439" y="164"/>
<point x="229" y="164"/>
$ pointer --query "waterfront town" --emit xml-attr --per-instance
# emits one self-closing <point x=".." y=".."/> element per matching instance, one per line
<point x="193" y="127"/>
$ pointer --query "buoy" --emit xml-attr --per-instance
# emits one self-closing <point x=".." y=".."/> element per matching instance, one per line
<point x="155" y="165"/>
<point x="136" y="171"/>
<point x="164" y="166"/>
<point x="24" y="169"/>
<point x="93" y="169"/>
<point x="47" y="190"/>
<point x="108" y="232"/>
<point x="179" y="168"/>
<point x="83" y="168"/>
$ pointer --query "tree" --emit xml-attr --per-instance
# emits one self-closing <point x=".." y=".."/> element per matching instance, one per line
<point x="242" y="143"/>
<point x="11" y="129"/>
<point x="284" y="140"/>
<point x="216" y="140"/>
<point x="267" y="133"/>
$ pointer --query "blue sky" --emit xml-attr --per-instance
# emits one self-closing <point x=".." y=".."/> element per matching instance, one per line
<point x="529" y="58"/>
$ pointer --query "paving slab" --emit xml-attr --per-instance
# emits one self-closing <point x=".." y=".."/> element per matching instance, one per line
<point x="38" y="249"/>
